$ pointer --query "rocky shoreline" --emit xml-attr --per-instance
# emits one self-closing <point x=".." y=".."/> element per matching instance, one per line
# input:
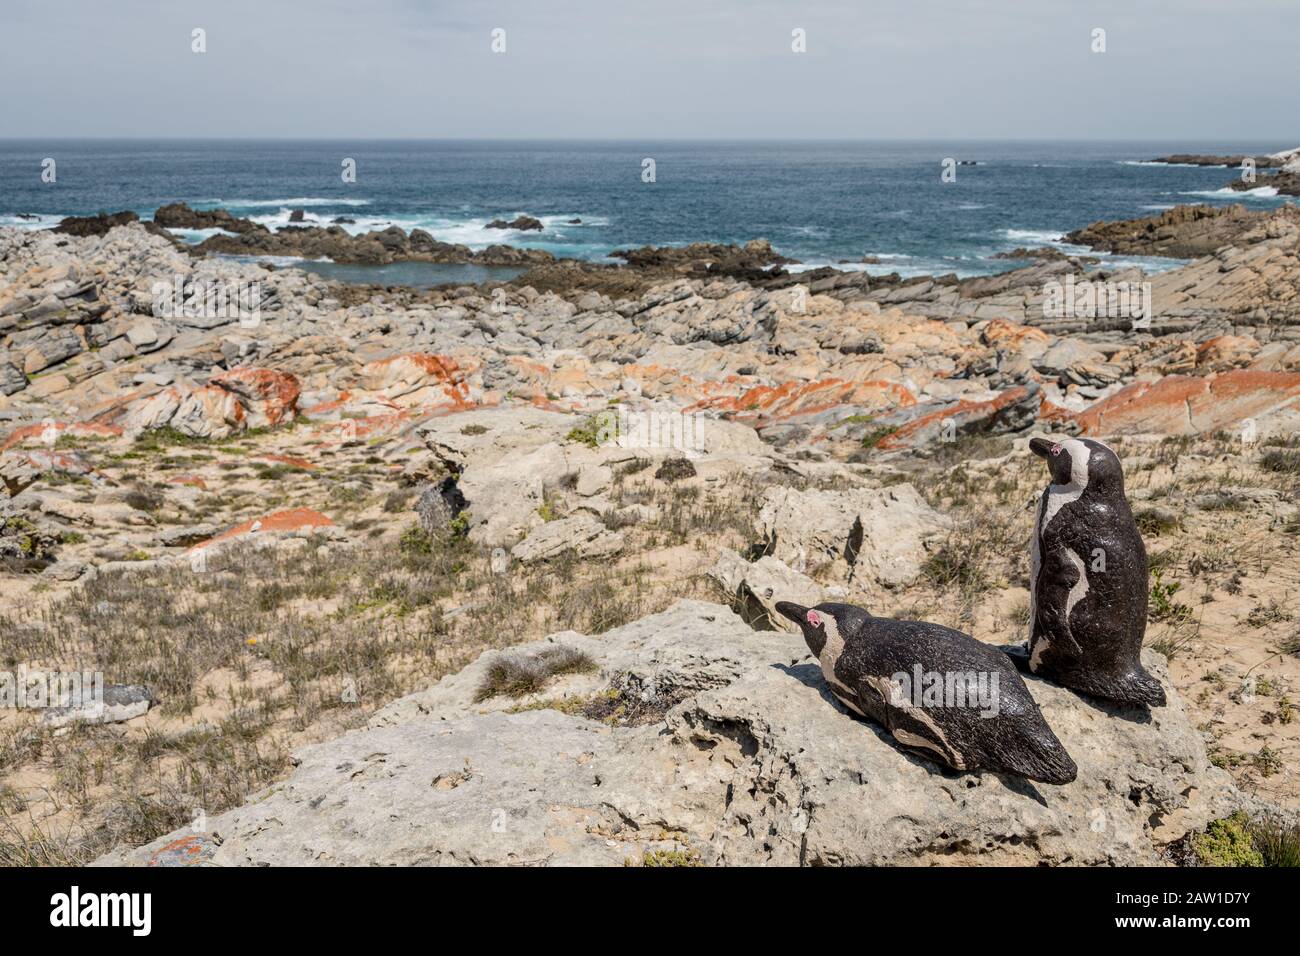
<point x="436" y="467"/>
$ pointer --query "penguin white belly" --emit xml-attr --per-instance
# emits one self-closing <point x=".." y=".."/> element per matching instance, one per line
<point x="1078" y="592"/>
<point x="1080" y="589"/>
<point x="828" y="658"/>
<point x="1054" y="499"/>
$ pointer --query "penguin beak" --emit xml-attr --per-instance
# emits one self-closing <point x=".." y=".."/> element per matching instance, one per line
<point x="1041" y="447"/>
<point x="795" y="612"/>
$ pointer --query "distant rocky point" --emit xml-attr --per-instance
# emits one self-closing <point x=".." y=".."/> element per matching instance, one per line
<point x="1269" y="161"/>
<point x="519" y="223"/>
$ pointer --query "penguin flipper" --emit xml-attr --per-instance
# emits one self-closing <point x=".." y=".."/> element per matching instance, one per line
<point x="874" y="705"/>
<point x="1056" y="579"/>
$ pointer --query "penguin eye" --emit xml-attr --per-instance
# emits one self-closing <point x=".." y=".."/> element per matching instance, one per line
<point x="1056" y="449"/>
<point x="814" y="619"/>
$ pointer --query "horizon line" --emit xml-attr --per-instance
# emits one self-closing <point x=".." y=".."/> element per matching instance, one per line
<point x="618" y="139"/>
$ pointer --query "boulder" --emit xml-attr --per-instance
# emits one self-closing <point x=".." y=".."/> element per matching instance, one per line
<point x="120" y="702"/>
<point x="208" y="412"/>
<point x="12" y="377"/>
<point x="1012" y="410"/>
<point x="18" y="473"/>
<point x="504" y="461"/>
<point x="521" y="223"/>
<point x="417" y="379"/>
<point x="730" y="750"/>
<point x="756" y="587"/>
<point x="1190" y="405"/>
<point x="268" y="397"/>
<point x="580" y="535"/>
<point x="878" y="535"/>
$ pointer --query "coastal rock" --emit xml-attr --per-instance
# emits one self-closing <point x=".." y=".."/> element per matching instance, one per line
<point x="580" y="535"/>
<point x="268" y="397"/>
<point x="1286" y="183"/>
<point x="18" y="473"/>
<point x="740" y="759"/>
<point x="756" y="587"/>
<point x="1184" y="232"/>
<point x="181" y="216"/>
<point x="12" y="377"/>
<point x="1266" y="402"/>
<point x="438" y="506"/>
<point x="504" y="460"/>
<point x="96" y="225"/>
<point x="929" y="426"/>
<point x="519" y="223"/>
<point x="120" y="702"/>
<point x="876" y="535"/>
<point x="207" y="412"/>
<point x="417" y="379"/>
<point x="377" y="247"/>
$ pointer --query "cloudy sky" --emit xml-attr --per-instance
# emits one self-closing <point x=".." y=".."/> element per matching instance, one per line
<point x="1177" y="69"/>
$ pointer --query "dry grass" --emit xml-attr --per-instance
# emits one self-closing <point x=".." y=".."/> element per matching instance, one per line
<point x="309" y="645"/>
<point x="517" y="674"/>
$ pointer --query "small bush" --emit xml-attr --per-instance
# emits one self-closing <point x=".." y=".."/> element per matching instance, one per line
<point x="1156" y="521"/>
<point x="1163" y="607"/>
<point x="675" y="469"/>
<point x="517" y="674"/>
<point x="415" y="541"/>
<point x="1227" y="842"/>
<point x="1281" y="461"/>
<point x="1239" y="841"/>
<point x="593" y="431"/>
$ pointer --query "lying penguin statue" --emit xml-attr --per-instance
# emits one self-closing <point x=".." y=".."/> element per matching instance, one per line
<point x="1088" y="580"/>
<point x="941" y="693"/>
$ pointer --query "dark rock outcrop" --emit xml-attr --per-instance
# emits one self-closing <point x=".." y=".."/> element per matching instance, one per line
<point x="1184" y="232"/>
<point x="1286" y="184"/>
<point x="1201" y="159"/>
<point x="96" y="225"/>
<point x="519" y="223"/>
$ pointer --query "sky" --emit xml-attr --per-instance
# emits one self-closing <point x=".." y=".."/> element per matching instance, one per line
<point x="1199" y="70"/>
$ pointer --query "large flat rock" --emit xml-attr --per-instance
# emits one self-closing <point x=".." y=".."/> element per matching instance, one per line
<point x="751" y="762"/>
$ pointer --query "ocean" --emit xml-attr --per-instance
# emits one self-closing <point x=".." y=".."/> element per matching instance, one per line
<point x="822" y="203"/>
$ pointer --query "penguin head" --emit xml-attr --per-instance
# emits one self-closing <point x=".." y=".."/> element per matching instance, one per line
<point x="1081" y="463"/>
<point x="817" y="623"/>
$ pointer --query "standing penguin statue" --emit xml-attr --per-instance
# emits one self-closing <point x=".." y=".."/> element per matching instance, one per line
<point x="1088" y="580"/>
<point x="939" y="692"/>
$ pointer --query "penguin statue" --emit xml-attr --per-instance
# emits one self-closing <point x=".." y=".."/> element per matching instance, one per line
<point x="939" y="692"/>
<point x="1088" y="579"/>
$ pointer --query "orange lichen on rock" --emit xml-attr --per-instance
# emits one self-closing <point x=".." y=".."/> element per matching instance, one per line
<point x="271" y="396"/>
<point x="773" y="402"/>
<point x="1187" y="404"/>
<point x="416" y="372"/>
<point x="904" y="435"/>
<point x="46" y="431"/>
<point x="283" y="522"/>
